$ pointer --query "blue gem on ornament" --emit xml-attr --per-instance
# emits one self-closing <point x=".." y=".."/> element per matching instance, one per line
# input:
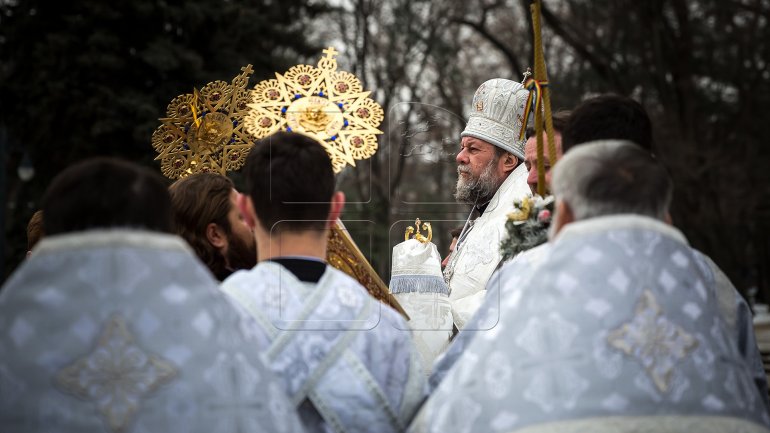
<point x="321" y="93"/>
<point x="235" y="123"/>
<point x="283" y="110"/>
<point x="186" y="147"/>
<point x="333" y="137"/>
<point x="297" y="96"/>
<point x="345" y="124"/>
<point x="288" y="129"/>
<point x="341" y="105"/>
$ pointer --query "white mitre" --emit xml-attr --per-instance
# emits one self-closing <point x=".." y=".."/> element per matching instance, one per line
<point x="497" y="117"/>
<point x="418" y="285"/>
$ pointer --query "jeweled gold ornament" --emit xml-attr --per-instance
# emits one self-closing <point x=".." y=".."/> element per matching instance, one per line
<point x="204" y="130"/>
<point x="321" y="102"/>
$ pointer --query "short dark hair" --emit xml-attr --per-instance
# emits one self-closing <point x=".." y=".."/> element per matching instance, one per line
<point x="558" y="118"/>
<point x="606" y="117"/>
<point x="35" y="230"/>
<point x="290" y="180"/>
<point x="198" y="200"/>
<point x="104" y="193"/>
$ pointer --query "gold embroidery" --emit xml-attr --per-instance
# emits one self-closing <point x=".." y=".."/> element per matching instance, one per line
<point x="116" y="375"/>
<point x="653" y="340"/>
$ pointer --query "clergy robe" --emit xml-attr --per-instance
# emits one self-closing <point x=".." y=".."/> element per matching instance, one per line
<point x="346" y="360"/>
<point x="477" y="253"/>
<point x="618" y="326"/>
<point x="126" y="331"/>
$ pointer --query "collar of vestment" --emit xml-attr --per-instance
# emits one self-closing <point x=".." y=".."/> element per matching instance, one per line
<point x="118" y="237"/>
<point x="307" y="270"/>
<point x="618" y="222"/>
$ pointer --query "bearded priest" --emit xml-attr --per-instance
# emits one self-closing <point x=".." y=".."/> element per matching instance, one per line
<point x="491" y="175"/>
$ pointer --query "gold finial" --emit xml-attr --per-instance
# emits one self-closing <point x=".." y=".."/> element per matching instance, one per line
<point x="248" y="70"/>
<point x="330" y="52"/>
<point x="419" y="236"/>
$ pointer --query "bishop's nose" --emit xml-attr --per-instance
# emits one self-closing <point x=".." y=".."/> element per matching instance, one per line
<point x="462" y="157"/>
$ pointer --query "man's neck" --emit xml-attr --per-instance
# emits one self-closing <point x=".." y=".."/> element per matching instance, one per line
<point x="292" y="244"/>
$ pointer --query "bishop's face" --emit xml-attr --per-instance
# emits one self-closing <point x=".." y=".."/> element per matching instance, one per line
<point x="479" y="171"/>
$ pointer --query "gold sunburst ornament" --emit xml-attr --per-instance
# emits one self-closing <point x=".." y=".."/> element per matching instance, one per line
<point x="204" y="130"/>
<point x="322" y="102"/>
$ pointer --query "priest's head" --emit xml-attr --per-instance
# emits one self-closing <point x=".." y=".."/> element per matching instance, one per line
<point x="106" y="193"/>
<point x="610" y="177"/>
<point x="608" y="117"/>
<point x="490" y="148"/>
<point x="559" y="120"/>
<point x="291" y="202"/>
<point x="206" y="215"/>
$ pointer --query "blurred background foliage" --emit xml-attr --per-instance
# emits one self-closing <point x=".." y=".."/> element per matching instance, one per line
<point x="89" y="77"/>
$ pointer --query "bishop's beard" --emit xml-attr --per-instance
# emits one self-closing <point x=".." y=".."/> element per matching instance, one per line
<point x="477" y="190"/>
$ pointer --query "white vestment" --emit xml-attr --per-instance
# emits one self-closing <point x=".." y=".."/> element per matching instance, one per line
<point x="418" y="285"/>
<point x="615" y="326"/>
<point x="346" y="360"/>
<point x="126" y="331"/>
<point x="477" y="254"/>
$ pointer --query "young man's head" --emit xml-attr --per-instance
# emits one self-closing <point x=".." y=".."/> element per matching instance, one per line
<point x="206" y="215"/>
<point x="530" y="150"/>
<point x="106" y="193"/>
<point x="291" y="188"/>
<point x="608" y="117"/>
<point x="609" y="177"/>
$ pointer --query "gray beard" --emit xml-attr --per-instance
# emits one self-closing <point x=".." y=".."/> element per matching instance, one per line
<point x="478" y="190"/>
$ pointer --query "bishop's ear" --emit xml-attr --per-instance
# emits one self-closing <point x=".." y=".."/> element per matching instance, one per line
<point x="509" y="162"/>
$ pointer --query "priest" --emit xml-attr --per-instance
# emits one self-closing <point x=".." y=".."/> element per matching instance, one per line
<point x="621" y="326"/>
<point x="346" y="360"/>
<point x="491" y="175"/>
<point x="113" y="325"/>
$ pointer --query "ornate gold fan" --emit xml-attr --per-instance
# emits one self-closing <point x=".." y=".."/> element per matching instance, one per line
<point x="324" y="103"/>
<point x="204" y="130"/>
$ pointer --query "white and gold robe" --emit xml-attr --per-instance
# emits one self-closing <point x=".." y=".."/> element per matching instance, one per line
<point x="617" y="326"/>
<point x="126" y="331"/>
